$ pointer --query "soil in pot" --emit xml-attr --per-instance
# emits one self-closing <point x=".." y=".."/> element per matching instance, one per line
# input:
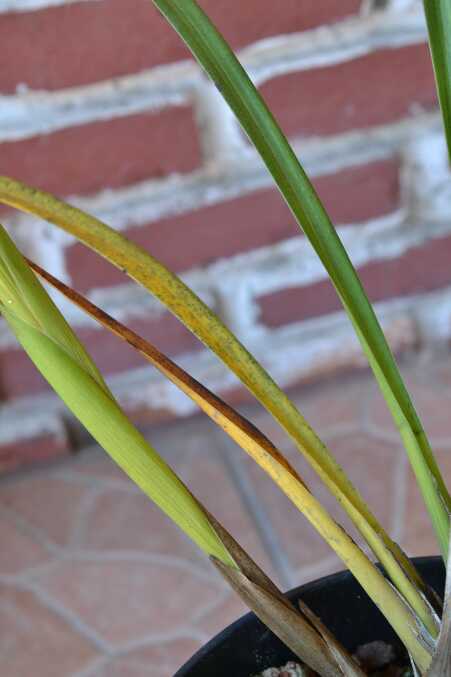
<point x="247" y="648"/>
<point x="378" y="659"/>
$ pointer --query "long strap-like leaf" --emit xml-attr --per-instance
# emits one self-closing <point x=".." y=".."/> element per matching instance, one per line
<point x="438" y="16"/>
<point x="168" y="288"/>
<point x="218" y="60"/>
<point x="62" y="360"/>
<point x="247" y="436"/>
<point x="280" y="471"/>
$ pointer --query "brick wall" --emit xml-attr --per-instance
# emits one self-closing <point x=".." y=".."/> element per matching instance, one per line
<point x="123" y="123"/>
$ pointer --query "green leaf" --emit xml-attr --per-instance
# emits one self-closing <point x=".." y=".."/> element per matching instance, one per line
<point x="61" y="359"/>
<point x="24" y="297"/>
<point x="218" y="60"/>
<point x="438" y="17"/>
<point x="170" y="290"/>
<point x="64" y="363"/>
<point x="257" y="445"/>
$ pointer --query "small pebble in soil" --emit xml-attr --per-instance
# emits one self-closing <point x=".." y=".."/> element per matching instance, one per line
<point x="378" y="659"/>
<point x="289" y="670"/>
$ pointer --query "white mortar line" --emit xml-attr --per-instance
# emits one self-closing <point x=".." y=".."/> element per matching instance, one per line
<point x="32" y="112"/>
<point x="293" y="262"/>
<point x="37" y="112"/>
<point x="37" y="416"/>
<point x="329" y="45"/>
<point x="367" y="7"/>
<point x="221" y="139"/>
<point x="64" y="613"/>
<point x="28" y="5"/>
<point x="149" y="201"/>
<point x="401" y="5"/>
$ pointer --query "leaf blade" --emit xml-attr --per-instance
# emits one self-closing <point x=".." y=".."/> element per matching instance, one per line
<point x="55" y="351"/>
<point x="64" y="363"/>
<point x="249" y="438"/>
<point x="258" y="447"/>
<point x="438" y="18"/>
<point x="218" y="60"/>
<point x="170" y="290"/>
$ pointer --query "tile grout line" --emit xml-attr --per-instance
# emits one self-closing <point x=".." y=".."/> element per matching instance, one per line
<point x="69" y="617"/>
<point x="257" y="512"/>
<point x="94" y="666"/>
<point x="77" y="532"/>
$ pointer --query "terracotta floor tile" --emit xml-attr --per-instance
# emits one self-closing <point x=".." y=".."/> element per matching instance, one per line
<point x="19" y="551"/>
<point x="34" y="641"/>
<point x="118" y="520"/>
<point x="362" y="457"/>
<point x="124" y="668"/>
<point x="222" y="615"/>
<point x="46" y="503"/>
<point x="195" y="455"/>
<point x="298" y="540"/>
<point x="339" y="406"/>
<point x="371" y="466"/>
<point x="154" y="661"/>
<point x="417" y="536"/>
<point x="436" y="371"/>
<point x="130" y="575"/>
<point x="431" y="403"/>
<point x="327" y="409"/>
<point x="126" y="601"/>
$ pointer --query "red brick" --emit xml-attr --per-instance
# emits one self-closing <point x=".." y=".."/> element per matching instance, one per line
<point x="255" y="220"/>
<point x="421" y="269"/>
<point x="88" y="158"/>
<point x="43" y="49"/>
<point x="19" y="377"/>
<point x="362" y="192"/>
<point x="23" y="452"/>
<point x="372" y="90"/>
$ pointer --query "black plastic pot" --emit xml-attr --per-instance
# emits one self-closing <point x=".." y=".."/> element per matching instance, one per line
<point x="247" y="647"/>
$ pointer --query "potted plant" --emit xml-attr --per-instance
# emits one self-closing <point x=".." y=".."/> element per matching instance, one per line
<point x="403" y="592"/>
<point x="247" y="648"/>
